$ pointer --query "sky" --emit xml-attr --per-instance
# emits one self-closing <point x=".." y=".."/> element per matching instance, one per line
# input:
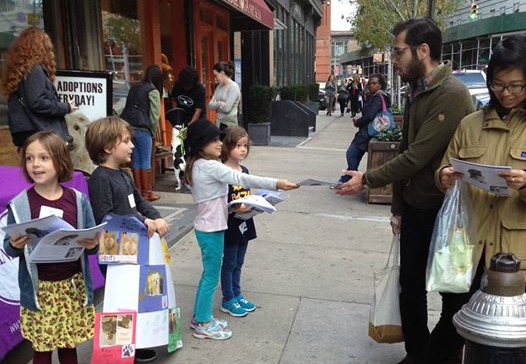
<point x="339" y="7"/>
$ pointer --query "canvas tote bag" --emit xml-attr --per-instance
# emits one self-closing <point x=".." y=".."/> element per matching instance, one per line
<point x="385" y="324"/>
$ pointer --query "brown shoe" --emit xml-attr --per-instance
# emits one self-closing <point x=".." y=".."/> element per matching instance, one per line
<point x="146" y="176"/>
<point x="137" y="178"/>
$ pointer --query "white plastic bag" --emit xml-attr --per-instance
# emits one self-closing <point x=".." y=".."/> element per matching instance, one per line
<point x="385" y="323"/>
<point x="450" y="260"/>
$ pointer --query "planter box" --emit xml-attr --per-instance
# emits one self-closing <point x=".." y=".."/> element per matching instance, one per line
<point x="259" y="133"/>
<point x="8" y="155"/>
<point x="378" y="154"/>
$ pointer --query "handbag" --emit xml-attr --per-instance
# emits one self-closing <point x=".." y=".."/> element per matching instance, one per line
<point x="450" y="260"/>
<point x="385" y="323"/>
<point x="383" y="121"/>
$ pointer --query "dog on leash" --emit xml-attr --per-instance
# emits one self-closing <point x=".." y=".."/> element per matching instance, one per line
<point x="178" y="153"/>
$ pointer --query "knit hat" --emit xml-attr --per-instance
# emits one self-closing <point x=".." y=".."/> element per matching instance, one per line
<point x="200" y="133"/>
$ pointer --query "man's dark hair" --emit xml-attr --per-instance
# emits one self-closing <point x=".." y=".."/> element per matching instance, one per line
<point x="508" y="54"/>
<point x="421" y="30"/>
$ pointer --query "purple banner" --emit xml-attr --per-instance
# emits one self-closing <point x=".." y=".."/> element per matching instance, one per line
<point x="12" y="183"/>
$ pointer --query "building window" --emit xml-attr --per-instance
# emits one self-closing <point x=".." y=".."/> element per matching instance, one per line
<point x="122" y="46"/>
<point x="16" y="16"/>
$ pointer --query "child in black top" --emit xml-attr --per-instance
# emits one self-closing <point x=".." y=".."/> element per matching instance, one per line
<point x="240" y="232"/>
<point x="111" y="188"/>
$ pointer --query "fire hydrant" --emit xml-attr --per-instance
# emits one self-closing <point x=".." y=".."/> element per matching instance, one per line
<point x="493" y="322"/>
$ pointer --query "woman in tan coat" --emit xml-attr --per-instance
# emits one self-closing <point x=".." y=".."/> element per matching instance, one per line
<point x="496" y="135"/>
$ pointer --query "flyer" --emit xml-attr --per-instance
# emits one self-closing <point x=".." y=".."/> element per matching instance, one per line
<point x="483" y="176"/>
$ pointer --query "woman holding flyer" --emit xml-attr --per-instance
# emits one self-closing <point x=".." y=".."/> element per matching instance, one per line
<point x="56" y="300"/>
<point x="495" y="135"/>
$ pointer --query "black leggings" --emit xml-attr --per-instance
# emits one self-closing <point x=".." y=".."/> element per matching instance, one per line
<point x="65" y="356"/>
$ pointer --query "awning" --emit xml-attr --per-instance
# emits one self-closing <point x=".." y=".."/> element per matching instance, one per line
<point x="259" y="14"/>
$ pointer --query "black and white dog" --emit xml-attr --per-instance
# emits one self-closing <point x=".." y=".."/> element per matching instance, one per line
<point x="174" y="116"/>
<point x="178" y="154"/>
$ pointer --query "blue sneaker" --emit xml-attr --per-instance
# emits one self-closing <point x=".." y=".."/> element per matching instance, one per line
<point x="247" y="305"/>
<point x="233" y="308"/>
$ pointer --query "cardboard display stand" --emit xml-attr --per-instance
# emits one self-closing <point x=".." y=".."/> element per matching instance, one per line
<point x="146" y="288"/>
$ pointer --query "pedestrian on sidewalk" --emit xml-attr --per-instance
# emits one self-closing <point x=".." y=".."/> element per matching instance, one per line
<point x="208" y="180"/>
<point x="143" y="112"/>
<point x="56" y="299"/>
<point x="355" y="92"/>
<point x="330" y="93"/>
<point x="239" y="232"/>
<point x="227" y="95"/>
<point x="434" y="107"/>
<point x="499" y="221"/>
<point x="111" y="188"/>
<point x="342" y="97"/>
<point x="373" y="105"/>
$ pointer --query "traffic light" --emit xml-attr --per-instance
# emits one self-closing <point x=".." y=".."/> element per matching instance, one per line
<point x="474" y="12"/>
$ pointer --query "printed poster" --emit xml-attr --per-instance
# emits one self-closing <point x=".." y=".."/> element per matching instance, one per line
<point x="114" y="341"/>
<point x="124" y="241"/>
<point x="153" y="290"/>
<point x="175" y="330"/>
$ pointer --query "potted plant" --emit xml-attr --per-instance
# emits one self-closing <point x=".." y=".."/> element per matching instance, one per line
<point x="314" y="102"/>
<point x="261" y="98"/>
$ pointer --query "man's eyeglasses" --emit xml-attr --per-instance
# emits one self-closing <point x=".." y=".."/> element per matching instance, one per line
<point x="512" y="89"/>
<point x="398" y="52"/>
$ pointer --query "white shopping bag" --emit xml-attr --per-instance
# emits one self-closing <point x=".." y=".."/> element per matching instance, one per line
<point x="385" y="324"/>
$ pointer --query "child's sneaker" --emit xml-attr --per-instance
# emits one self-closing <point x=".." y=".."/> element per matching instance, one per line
<point x="222" y="323"/>
<point x="213" y="331"/>
<point x="247" y="305"/>
<point x="233" y="308"/>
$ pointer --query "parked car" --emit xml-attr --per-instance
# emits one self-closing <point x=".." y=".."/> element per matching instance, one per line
<point x="475" y="81"/>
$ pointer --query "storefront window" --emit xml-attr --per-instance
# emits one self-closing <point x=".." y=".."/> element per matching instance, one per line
<point x="16" y="16"/>
<point x="122" y="46"/>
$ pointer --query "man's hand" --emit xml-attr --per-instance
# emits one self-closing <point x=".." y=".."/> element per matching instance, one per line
<point x="448" y="176"/>
<point x="353" y="186"/>
<point x="396" y="224"/>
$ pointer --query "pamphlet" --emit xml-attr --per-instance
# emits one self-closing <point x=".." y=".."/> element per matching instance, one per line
<point x="483" y="176"/>
<point x="270" y="197"/>
<point x="52" y="239"/>
<point x="255" y="202"/>
<point x="63" y="245"/>
<point x="314" y="182"/>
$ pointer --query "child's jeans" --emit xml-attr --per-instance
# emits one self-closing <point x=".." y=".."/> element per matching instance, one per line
<point x="233" y="259"/>
<point x="142" y="151"/>
<point x="211" y="245"/>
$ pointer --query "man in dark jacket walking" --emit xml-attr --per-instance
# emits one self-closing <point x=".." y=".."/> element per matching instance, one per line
<point x="434" y="106"/>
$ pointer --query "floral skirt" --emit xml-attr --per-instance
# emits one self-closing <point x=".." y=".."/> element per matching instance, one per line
<point x="63" y="321"/>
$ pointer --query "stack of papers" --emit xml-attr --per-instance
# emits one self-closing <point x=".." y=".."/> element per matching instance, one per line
<point x="260" y="201"/>
<point x="53" y="240"/>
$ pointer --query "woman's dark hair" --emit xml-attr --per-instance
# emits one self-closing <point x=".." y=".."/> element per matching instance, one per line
<point x="226" y="67"/>
<point x="188" y="78"/>
<point x="154" y="75"/>
<point x="381" y="80"/>
<point x="421" y="30"/>
<point x="508" y="54"/>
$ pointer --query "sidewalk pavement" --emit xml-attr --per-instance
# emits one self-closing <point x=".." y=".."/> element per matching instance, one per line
<point x="310" y="271"/>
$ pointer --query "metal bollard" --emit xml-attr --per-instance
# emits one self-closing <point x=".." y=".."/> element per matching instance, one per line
<point x="493" y="322"/>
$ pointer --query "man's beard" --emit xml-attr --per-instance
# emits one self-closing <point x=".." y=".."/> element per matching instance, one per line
<point x="415" y="71"/>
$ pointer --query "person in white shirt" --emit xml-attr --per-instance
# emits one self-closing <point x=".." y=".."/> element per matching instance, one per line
<point x="226" y="95"/>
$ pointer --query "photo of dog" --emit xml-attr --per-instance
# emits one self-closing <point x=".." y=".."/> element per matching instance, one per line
<point x="154" y="284"/>
<point x="108" y="243"/>
<point x="128" y="244"/>
<point x="108" y="329"/>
